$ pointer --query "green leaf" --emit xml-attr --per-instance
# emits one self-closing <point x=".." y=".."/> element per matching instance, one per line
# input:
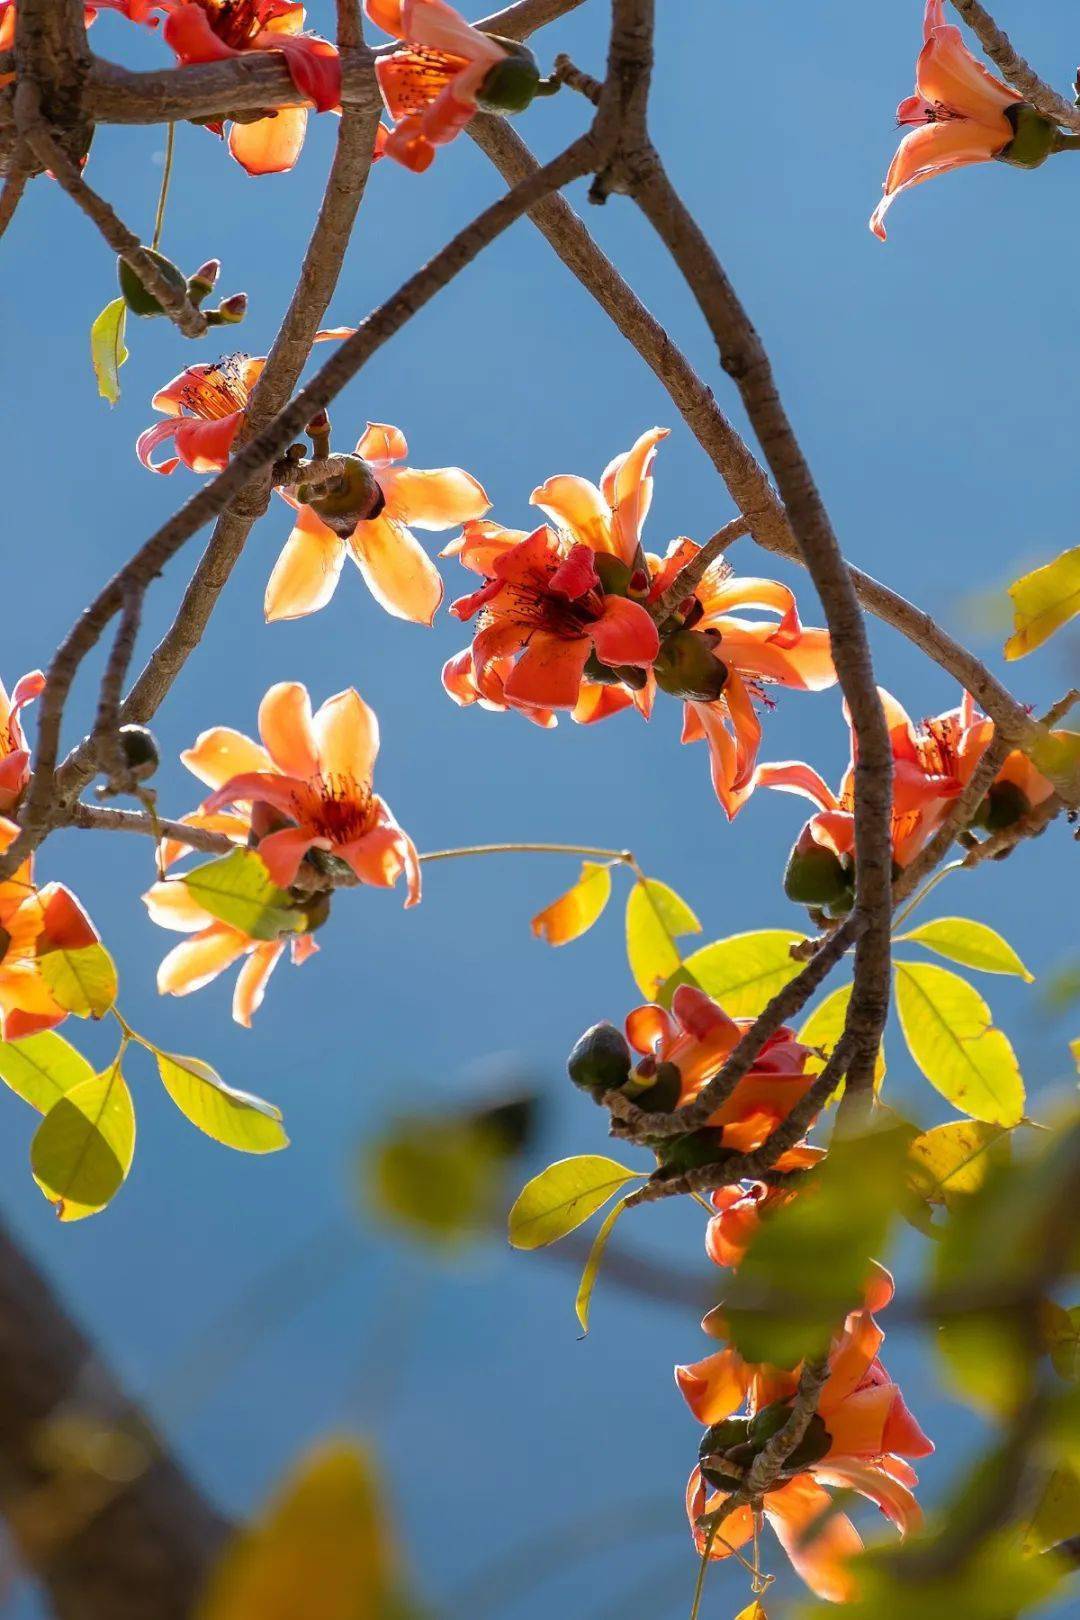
<point x="322" y="1549"/>
<point x="1060" y="1329"/>
<point x="824" y="1028"/>
<point x="440" y="1180"/>
<point x="574" y="912"/>
<point x="83" y="1148"/>
<point x="779" y="1308"/>
<point x="42" y="1068"/>
<point x="952" y="1161"/>
<point x="1043" y="601"/>
<point x="743" y="973"/>
<point x="107" y="350"/>
<point x="1057" y="1516"/>
<point x="237" y="890"/>
<point x="592" y="1265"/>
<point x="655" y="918"/>
<point x="563" y="1196"/>
<point x="970" y="943"/>
<point x="234" y="1118"/>
<point x="950" y="1034"/>
<point x="83" y="981"/>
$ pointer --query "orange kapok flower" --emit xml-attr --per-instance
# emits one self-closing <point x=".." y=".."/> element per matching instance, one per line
<point x="34" y="921"/>
<point x="14" y="754"/>
<point x="444" y="72"/>
<point x="311" y="784"/>
<point x="697" y="1036"/>
<point x="218" y="30"/>
<point x="957" y="116"/>
<point x="864" y="1434"/>
<point x="397" y="570"/>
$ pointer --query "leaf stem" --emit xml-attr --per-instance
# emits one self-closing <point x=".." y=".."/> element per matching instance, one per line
<point x="163" y="194"/>
<point x="621" y="856"/>
<point x="920" y="896"/>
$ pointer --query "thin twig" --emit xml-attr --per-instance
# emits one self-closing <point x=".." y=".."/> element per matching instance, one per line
<point x="999" y="48"/>
<point x="691" y="574"/>
<point x="13" y="191"/>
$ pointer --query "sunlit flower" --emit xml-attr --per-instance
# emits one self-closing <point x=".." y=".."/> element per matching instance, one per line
<point x="696" y="1037"/>
<point x="443" y="73"/>
<point x="219" y="30"/>
<point x="204" y="407"/>
<point x="33" y="922"/>
<point x="309" y="787"/>
<point x="14" y="754"/>
<point x="957" y="116"/>
<point x="740" y="1210"/>
<point x="859" y="1440"/>
<point x="397" y="570"/>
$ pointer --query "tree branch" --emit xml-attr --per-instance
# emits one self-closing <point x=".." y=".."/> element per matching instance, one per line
<point x="998" y="47"/>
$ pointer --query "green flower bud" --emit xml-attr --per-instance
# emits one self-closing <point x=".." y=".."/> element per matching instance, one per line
<point x="1005" y="804"/>
<point x="354" y="499"/>
<point x="136" y="297"/>
<point x="510" y="85"/>
<point x="679" y="1153"/>
<point x="815" y="876"/>
<point x="231" y="311"/>
<point x="140" y="751"/>
<point x="720" y="1438"/>
<point x="1034" y="139"/>
<point x="614" y="573"/>
<point x="201" y="281"/>
<point x="600" y="1060"/>
<point x="687" y="667"/>
<point x="769" y="1421"/>
<point x="631" y="675"/>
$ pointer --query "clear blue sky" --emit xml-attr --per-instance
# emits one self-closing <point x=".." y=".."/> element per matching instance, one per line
<point x="935" y="386"/>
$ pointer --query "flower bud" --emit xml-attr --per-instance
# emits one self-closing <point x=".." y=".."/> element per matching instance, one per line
<point x="510" y="85"/>
<point x="769" y="1421"/>
<point x="230" y="312"/>
<point x="721" y="1437"/>
<point x="600" y="1060"/>
<point x="1034" y="139"/>
<point x="354" y="498"/>
<point x="661" y="1095"/>
<point x="1005" y="804"/>
<point x="816" y="876"/>
<point x="136" y="297"/>
<point x="687" y="667"/>
<point x="140" y="751"/>
<point x="201" y="281"/>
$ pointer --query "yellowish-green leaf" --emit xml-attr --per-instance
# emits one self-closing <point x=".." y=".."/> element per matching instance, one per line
<point x="574" y="912"/>
<point x="950" y="1034"/>
<point x="83" y="980"/>
<point x="1057" y="1517"/>
<point x="655" y="918"/>
<point x="1074" y="1049"/>
<point x="42" y="1068"/>
<point x="1043" y="601"/>
<point x="234" y="1118"/>
<point x="1057" y="755"/>
<point x="592" y="1265"/>
<point x="563" y="1196"/>
<point x="107" y="351"/>
<point x="744" y="972"/>
<point x="972" y="944"/>
<point x="952" y="1161"/>
<point x="1060" y="1328"/>
<point x="753" y="1611"/>
<point x="237" y="890"/>
<point x="321" y="1550"/>
<point x="824" y="1028"/>
<point x="83" y="1148"/>
<point x="438" y="1180"/>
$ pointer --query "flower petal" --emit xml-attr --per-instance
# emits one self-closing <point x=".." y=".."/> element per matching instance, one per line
<point x="222" y="753"/>
<point x="285" y="728"/>
<point x="442" y="498"/>
<point x="196" y="961"/>
<point x="397" y="570"/>
<point x="577" y="506"/>
<point x="548" y="673"/>
<point x="346" y="739"/>
<point x="306" y="573"/>
<point x="252" y="980"/>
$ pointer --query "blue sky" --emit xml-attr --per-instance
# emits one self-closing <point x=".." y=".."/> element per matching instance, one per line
<point x="935" y="389"/>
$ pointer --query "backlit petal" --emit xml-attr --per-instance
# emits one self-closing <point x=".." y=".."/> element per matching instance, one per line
<point x="285" y="728"/>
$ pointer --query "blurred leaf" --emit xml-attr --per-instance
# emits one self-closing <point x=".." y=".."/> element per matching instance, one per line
<point x="780" y="1308"/>
<point x="563" y="1196"/>
<point x="1043" y="601"/>
<point x="1056" y="753"/>
<point x="42" y="1068"/>
<point x="1074" y="1049"/>
<point x="1060" y="989"/>
<point x="1057" y="1516"/>
<point x="237" y="890"/>
<point x="753" y="1611"/>
<point x="952" y="1161"/>
<point x="592" y="1264"/>
<point x="440" y="1179"/>
<point x="986" y="1356"/>
<point x="950" y="1033"/>
<point x="824" y="1028"/>
<point x="107" y="351"/>
<point x="1061" y="1334"/>
<point x="83" y="981"/>
<point x="744" y="972"/>
<point x="83" y="1148"/>
<point x="655" y="918"/>
<point x="970" y="943"/>
<point x="234" y="1118"/>
<point x="574" y="912"/>
<point x="321" y="1550"/>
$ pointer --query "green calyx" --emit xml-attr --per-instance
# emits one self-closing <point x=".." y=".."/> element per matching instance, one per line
<point x="1005" y="804"/>
<point x="140" y="751"/>
<point x="1035" y="137"/>
<point x="600" y="1060"/>
<point x="660" y="1095"/>
<point x="354" y="498"/>
<point x="614" y="573"/>
<point x="817" y="877"/>
<point x="510" y="85"/>
<point x="690" y="1152"/>
<point x="687" y="666"/>
<point x="135" y="295"/>
<point x="631" y="675"/>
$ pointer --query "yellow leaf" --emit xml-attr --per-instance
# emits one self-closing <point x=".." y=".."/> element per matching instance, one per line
<point x="970" y="943"/>
<point x="592" y="1264"/>
<point x="574" y="912"/>
<point x="564" y="1195"/>
<point x="83" y="1148"/>
<point x="1074" y="1048"/>
<point x="1042" y="602"/>
<point x="82" y="980"/>
<point x="753" y="1611"/>
<point x="42" y="1068"/>
<point x="824" y="1028"/>
<point x="744" y="972"/>
<point x="1057" y="1516"/>
<point x="235" y="1118"/>
<point x="321" y="1549"/>
<point x="107" y="351"/>
<point x="951" y="1161"/>
<point x="950" y="1034"/>
<point x="655" y="918"/>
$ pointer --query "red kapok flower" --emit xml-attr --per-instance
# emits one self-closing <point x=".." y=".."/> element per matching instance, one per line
<point x="444" y="72"/>
<point x="957" y="114"/>
<point x="312" y="782"/>
<point x="14" y="754"/>
<point x="33" y="922"/>
<point x="397" y="570"/>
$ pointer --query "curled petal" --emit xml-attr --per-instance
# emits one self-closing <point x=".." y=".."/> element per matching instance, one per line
<point x="579" y="508"/>
<point x="270" y="145"/>
<point x="252" y="980"/>
<point x="196" y="961"/>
